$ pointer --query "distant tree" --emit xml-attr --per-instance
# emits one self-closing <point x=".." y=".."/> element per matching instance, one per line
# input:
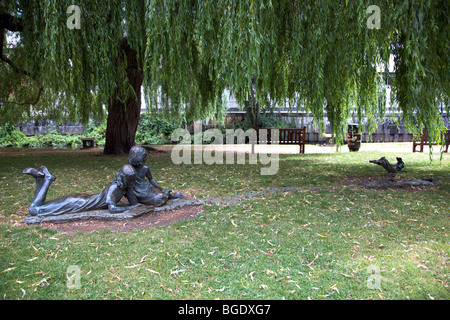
<point x="322" y="55"/>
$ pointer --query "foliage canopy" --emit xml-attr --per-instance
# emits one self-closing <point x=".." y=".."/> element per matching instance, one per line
<point x="314" y="54"/>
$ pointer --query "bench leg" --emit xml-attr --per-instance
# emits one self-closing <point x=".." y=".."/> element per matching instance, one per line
<point x="88" y="144"/>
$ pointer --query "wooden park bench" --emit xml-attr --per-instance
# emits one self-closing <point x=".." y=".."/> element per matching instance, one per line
<point x="328" y="138"/>
<point x="88" y="142"/>
<point x="424" y="141"/>
<point x="285" y="136"/>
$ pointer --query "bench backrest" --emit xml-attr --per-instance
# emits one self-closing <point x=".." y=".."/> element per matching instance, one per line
<point x="285" y="136"/>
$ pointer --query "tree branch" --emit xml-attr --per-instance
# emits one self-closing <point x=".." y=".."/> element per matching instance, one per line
<point x="14" y="24"/>
<point x="28" y="102"/>
<point x="10" y="23"/>
<point x="6" y="59"/>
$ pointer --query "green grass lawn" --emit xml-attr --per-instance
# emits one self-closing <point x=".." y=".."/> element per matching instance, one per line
<point x="336" y="243"/>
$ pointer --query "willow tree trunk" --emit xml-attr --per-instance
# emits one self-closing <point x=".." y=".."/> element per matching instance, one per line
<point x="123" y="116"/>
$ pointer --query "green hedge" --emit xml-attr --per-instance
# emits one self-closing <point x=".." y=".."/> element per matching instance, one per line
<point x="17" y="138"/>
<point x="151" y="130"/>
<point x="11" y="137"/>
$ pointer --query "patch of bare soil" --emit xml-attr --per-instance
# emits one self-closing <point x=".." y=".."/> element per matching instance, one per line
<point x="149" y="220"/>
<point x="381" y="183"/>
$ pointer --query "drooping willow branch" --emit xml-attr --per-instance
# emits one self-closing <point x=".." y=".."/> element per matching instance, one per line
<point x="29" y="102"/>
<point x="15" y="27"/>
<point x="4" y="58"/>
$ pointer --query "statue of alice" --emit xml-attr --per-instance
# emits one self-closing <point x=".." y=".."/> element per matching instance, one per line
<point x="108" y="198"/>
<point x="145" y="185"/>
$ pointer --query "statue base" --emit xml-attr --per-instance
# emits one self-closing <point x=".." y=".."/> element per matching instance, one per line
<point x="390" y="182"/>
<point x="106" y="215"/>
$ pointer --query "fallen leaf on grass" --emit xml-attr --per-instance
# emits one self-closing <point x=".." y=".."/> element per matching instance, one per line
<point x="333" y="287"/>
<point x="167" y="289"/>
<point x="347" y="275"/>
<point x="9" y="269"/>
<point x="269" y="254"/>
<point x="152" y="271"/>
<point x="39" y="283"/>
<point x="315" y="257"/>
<point x="177" y="271"/>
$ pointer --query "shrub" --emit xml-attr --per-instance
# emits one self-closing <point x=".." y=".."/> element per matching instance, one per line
<point x="265" y="121"/>
<point x="96" y="130"/>
<point x="10" y="137"/>
<point x="154" y="130"/>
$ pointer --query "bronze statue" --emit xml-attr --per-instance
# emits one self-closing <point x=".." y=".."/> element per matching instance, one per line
<point x="108" y="198"/>
<point x="391" y="169"/>
<point x="145" y="185"/>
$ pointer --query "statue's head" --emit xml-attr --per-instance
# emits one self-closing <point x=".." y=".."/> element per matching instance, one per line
<point x="137" y="156"/>
<point x="125" y="176"/>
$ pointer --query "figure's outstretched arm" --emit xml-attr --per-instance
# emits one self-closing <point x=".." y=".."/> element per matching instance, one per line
<point x="153" y="182"/>
<point x="132" y="200"/>
<point x="113" y="197"/>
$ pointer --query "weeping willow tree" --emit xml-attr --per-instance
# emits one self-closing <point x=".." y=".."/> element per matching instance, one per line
<point x="320" y="55"/>
<point x="53" y="69"/>
<point x="323" y="56"/>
